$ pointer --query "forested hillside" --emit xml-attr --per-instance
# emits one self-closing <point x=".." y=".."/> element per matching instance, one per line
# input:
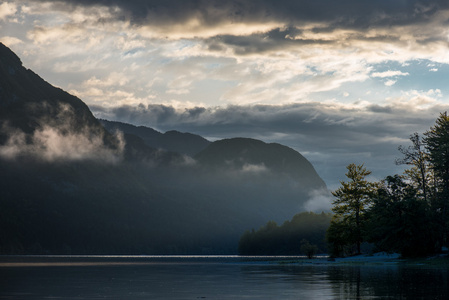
<point x="286" y="239"/>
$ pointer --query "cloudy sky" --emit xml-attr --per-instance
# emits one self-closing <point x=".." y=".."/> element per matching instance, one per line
<point x="339" y="81"/>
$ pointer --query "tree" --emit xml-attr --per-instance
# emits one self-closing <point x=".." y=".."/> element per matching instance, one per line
<point x="398" y="221"/>
<point x="437" y="145"/>
<point x="416" y="156"/>
<point x="338" y="237"/>
<point x="308" y="249"/>
<point x="353" y="198"/>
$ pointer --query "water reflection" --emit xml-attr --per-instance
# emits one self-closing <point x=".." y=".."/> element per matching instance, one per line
<point x="214" y="278"/>
<point x="365" y="282"/>
<point x="395" y="282"/>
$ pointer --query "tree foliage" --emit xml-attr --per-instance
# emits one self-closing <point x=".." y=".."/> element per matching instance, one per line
<point x="272" y="239"/>
<point x="399" y="221"/>
<point x="352" y="200"/>
<point x="437" y="145"/>
<point x="308" y="249"/>
<point x="416" y="156"/>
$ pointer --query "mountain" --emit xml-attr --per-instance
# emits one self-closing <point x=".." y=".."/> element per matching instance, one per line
<point x="254" y="155"/>
<point x="69" y="186"/>
<point x="28" y="102"/>
<point x="175" y="141"/>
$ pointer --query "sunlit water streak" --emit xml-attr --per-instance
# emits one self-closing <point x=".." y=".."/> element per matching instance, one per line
<point x="92" y="260"/>
<point x="210" y="277"/>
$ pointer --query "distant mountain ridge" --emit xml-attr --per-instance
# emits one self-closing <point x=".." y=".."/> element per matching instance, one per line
<point x="255" y="155"/>
<point x="70" y="185"/>
<point x="175" y="141"/>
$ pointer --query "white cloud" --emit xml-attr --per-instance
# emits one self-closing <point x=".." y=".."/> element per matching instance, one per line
<point x="417" y="100"/>
<point x="389" y="74"/>
<point x="319" y="201"/>
<point x="56" y="141"/>
<point x="390" y="82"/>
<point x="52" y="144"/>
<point x="113" y="79"/>
<point x="111" y="97"/>
<point x="7" y="9"/>
<point x="178" y="91"/>
<point x="251" y="168"/>
<point x="195" y="29"/>
<point x="10" y="41"/>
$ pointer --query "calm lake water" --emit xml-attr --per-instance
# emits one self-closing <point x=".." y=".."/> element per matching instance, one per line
<point x="212" y="277"/>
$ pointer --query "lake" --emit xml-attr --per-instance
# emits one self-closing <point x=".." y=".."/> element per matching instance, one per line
<point x="212" y="277"/>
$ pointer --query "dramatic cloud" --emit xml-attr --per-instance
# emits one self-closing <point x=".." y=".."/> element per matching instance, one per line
<point x="209" y="53"/>
<point x="208" y="13"/>
<point x="337" y="80"/>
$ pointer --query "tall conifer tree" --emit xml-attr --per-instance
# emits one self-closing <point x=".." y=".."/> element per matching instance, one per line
<point x="437" y="145"/>
<point x="353" y="198"/>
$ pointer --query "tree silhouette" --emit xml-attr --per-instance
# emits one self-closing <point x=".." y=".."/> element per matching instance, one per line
<point x="353" y="198"/>
<point x="437" y="145"/>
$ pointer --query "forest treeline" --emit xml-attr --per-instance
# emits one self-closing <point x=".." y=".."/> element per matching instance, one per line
<point x="405" y="213"/>
<point x="304" y="233"/>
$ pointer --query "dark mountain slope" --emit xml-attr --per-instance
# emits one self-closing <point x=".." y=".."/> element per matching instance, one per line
<point x="183" y="142"/>
<point x="96" y="208"/>
<point x="175" y="141"/>
<point x="250" y="154"/>
<point x="148" y="135"/>
<point x="27" y="101"/>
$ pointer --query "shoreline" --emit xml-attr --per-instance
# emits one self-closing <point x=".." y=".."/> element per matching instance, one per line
<point x="377" y="259"/>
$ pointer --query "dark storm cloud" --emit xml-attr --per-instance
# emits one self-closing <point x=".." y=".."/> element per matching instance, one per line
<point x="345" y="13"/>
<point x="276" y="39"/>
<point x="276" y="25"/>
<point x="323" y="122"/>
